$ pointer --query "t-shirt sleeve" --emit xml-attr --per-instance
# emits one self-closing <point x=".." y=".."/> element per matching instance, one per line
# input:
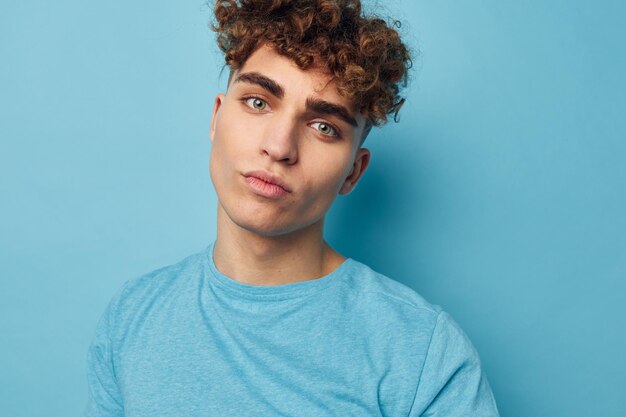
<point x="452" y="383"/>
<point x="104" y="396"/>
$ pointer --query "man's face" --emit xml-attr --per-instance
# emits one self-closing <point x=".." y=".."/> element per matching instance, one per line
<point x="288" y="126"/>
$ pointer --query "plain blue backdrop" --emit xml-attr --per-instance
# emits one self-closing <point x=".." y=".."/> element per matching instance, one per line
<point x="500" y="195"/>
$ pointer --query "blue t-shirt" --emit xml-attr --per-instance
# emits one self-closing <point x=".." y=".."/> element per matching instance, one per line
<point x="186" y="340"/>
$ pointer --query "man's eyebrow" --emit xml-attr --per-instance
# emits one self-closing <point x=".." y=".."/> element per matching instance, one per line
<point x="261" y="80"/>
<point x="332" y="109"/>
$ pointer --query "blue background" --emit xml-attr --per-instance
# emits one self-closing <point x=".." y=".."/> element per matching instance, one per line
<point x="500" y="195"/>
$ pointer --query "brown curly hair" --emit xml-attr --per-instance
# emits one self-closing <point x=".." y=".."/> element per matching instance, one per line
<point x="364" y="54"/>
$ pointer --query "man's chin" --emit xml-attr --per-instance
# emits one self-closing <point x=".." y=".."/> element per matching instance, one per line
<point x="264" y="224"/>
<point x="268" y="228"/>
<point x="267" y="231"/>
<point x="276" y="230"/>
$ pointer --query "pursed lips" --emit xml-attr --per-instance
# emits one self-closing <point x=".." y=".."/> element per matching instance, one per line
<point x="268" y="178"/>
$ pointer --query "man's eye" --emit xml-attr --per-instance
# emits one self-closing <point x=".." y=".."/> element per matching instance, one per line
<point x="325" y="129"/>
<point x="256" y="103"/>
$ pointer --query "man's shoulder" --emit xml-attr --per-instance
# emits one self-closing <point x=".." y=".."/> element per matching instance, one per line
<point x="386" y="294"/>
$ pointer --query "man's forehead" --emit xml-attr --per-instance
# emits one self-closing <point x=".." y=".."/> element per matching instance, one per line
<point x="266" y="58"/>
<point x="326" y="85"/>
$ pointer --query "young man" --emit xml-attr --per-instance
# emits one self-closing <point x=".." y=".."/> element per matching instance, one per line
<point x="270" y="320"/>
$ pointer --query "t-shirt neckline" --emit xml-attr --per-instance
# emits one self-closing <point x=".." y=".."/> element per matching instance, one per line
<point x="274" y="292"/>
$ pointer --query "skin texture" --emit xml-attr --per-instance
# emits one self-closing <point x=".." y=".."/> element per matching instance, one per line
<point x="273" y="241"/>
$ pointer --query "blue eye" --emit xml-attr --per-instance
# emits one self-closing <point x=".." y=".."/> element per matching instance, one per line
<point x="256" y="103"/>
<point x="325" y="129"/>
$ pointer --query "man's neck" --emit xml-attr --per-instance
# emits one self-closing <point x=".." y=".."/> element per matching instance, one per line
<point x="254" y="259"/>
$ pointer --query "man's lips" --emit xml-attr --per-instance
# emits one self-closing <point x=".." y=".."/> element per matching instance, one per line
<point x="268" y="178"/>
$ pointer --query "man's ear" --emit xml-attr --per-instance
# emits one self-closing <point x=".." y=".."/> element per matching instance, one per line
<point x="219" y="99"/>
<point x="361" y="161"/>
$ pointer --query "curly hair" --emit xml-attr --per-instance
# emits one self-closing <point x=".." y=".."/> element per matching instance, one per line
<point x="365" y="55"/>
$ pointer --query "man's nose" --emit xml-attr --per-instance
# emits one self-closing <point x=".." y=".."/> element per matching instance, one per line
<point x="280" y="140"/>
